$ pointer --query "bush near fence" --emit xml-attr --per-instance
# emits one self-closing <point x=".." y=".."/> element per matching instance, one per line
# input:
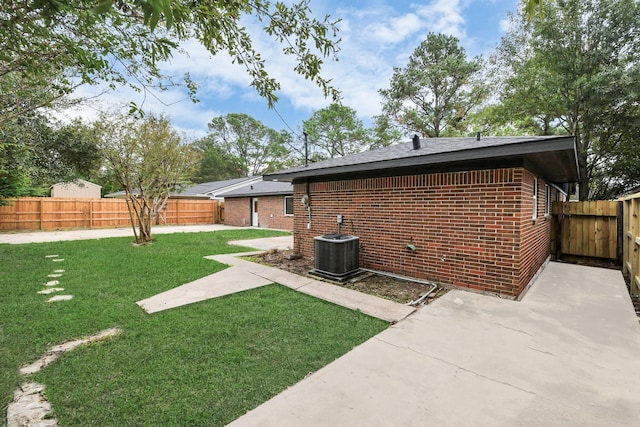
<point x="46" y="213"/>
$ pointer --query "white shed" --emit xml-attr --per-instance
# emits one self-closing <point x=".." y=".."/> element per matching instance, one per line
<point x="78" y="189"/>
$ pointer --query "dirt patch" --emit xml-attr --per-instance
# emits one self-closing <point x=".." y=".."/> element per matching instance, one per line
<point x="402" y="291"/>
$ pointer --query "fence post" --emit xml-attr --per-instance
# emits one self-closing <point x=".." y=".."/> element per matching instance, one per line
<point x="40" y="216"/>
<point x="620" y="233"/>
<point x="559" y="219"/>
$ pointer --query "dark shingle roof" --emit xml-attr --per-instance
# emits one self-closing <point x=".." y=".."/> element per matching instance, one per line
<point x="553" y="156"/>
<point x="262" y="188"/>
<point x="207" y="187"/>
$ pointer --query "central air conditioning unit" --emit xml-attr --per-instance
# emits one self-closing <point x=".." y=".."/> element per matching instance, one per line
<point x="336" y="256"/>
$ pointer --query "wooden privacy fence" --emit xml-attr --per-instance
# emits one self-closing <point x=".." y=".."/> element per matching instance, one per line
<point x="586" y="229"/>
<point x="45" y="213"/>
<point x="600" y="229"/>
<point x="631" y="242"/>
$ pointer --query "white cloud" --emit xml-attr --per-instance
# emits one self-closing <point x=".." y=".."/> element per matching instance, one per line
<point x="375" y="38"/>
<point x="444" y="16"/>
<point x="394" y="30"/>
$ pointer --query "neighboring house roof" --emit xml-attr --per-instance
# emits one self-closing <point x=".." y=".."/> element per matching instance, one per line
<point x="630" y="194"/>
<point x="216" y="186"/>
<point x="172" y="195"/>
<point x="208" y="190"/>
<point x="551" y="157"/>
<point x="262" y="188"/>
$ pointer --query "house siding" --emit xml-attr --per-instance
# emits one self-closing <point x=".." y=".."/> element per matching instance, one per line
<point x="75" y="190"/>
<point x="471" y="229"/>
<point x="237" y="211"/>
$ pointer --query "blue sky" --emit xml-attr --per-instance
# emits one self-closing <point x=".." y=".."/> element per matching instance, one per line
<point x="376" y="35"/>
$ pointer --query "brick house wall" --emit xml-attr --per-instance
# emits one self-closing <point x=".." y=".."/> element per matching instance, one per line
<point x="471" y="229"/>
<point x="237" y="211"/>
<point x="271" y="214"/>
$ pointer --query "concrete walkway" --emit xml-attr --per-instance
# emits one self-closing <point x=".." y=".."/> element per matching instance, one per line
<point x="103" y="233"/>
<point x="243" y="275"/>
<point x="568" y="354"/>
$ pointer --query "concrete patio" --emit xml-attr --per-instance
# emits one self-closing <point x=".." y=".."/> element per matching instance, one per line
<point x="568" y="354"/>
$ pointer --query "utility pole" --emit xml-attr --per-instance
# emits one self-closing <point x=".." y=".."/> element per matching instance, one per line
<point x="306" y="149"/>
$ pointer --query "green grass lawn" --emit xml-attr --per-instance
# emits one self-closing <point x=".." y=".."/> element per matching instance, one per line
<point x="202" y="364"/>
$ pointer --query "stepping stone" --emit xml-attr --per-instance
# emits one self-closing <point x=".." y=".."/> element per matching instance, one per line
<point x="51" y="256"/>
<point x="58" y="260"/>
<point x="52" y="283"/>
<point x="60" y="298"/>
<point x="30" y="407"/>
<point x="54" y="275"/>
<point x="58" y="271"/>
<point x="50" y="291"/>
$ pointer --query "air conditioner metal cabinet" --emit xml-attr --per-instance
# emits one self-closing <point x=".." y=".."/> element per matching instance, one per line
<point x="336" y="255"/>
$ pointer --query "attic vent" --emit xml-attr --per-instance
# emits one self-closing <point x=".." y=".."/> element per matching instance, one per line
<point x="416" y="142"/>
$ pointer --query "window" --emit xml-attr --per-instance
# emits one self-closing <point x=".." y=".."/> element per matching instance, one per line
<point x="535" y="198"/>
<point x="547" y="200"/>
<point x="288" y="205"/>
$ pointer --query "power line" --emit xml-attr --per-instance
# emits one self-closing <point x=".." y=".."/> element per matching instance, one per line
<point x="285" y="122"/>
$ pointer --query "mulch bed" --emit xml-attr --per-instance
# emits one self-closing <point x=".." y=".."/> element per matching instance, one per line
<point x="402" y="291"/>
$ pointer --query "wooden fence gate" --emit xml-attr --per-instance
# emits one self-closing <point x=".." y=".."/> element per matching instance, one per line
<point x="587" y="230"/>
<point x="602" y="230"/>
<point x="631" y="243"/>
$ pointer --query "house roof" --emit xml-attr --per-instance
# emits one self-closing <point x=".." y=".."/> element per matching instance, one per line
<point x="262" y="188"/>
<point x="173" y="195"/>
<point x="551" y="157"/>
<point x="206" y="190"/>
<point x="215" y="186"/>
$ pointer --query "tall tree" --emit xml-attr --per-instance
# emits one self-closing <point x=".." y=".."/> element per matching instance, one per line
<point x="578" y="68"/>
<point x="259" y="148"/>
<point x="36" y="152"/>
<point x="335" y="131"/>
<point x="55" y="45"/>
<point x="436" y="90"/>
<point x="150" y="160"/>
<point x="383" y="133"/>
<point x="216" y="163"/>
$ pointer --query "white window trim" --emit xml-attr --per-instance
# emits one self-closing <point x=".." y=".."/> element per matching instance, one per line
<point x="547" y="200"/>
<point x="535" y="198"/>
<point x="285" y="205"/>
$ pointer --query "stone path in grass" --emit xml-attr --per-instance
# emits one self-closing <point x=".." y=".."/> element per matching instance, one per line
<point x="51" y="284"/>
<point x="30" y="406"/>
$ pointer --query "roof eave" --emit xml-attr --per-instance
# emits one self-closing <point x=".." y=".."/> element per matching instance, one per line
<point x="500" y="151"/>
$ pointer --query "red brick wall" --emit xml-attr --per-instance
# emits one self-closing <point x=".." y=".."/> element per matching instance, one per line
<point x="271" y="213"/>
<point x="237" y="211"/>
<point x="536" y="234"/>
<point x="466" y="226"/>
